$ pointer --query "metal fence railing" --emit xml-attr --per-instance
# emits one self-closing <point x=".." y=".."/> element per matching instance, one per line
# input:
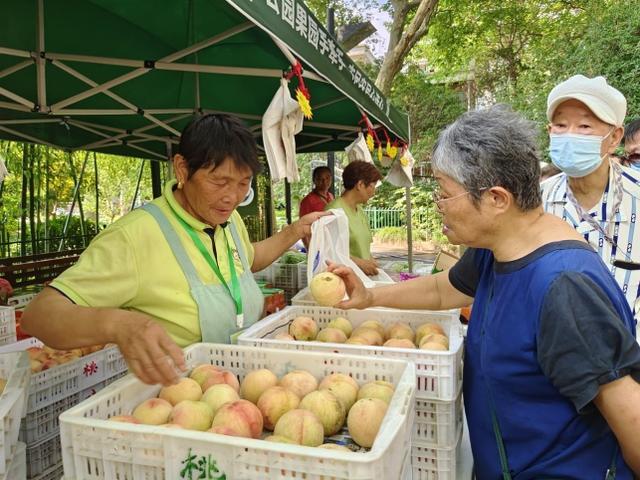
<point x="391" y="217"/>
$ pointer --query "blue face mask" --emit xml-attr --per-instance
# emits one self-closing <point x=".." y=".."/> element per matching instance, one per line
<point x="574" y="154"/>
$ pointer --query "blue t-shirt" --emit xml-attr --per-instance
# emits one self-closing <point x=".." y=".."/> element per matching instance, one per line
<point x="546" y="331"/>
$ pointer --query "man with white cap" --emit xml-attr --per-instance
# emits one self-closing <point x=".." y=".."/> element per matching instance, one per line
<point x="597" y="196"/>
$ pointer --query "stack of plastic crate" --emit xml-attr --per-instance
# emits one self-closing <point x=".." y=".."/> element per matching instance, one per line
<point x="285" y="277"/>
<point x="437" y="427"/>
<point x="53" y="391"/>
<point x="15" y="372"/>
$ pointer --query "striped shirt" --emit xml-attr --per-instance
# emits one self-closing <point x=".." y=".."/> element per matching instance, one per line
<point x="626" y="233"/>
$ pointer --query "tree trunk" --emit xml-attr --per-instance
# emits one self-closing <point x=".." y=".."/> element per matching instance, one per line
<point x="39" y="201"/>
<point x="402" y="39"/>
<point x="46" y="200"/>
<point x="23" y="200"/>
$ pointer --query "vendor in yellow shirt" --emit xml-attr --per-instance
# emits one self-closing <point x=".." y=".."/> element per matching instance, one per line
<point x="359" y="179"/>
<point x="175" y="271"/>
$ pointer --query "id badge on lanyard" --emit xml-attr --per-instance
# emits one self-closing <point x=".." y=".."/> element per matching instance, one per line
<point x="234" y="291"/>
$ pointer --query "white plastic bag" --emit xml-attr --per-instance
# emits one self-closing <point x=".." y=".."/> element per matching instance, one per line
<point x="358" y="150"/>
<point x="330" y="241"/>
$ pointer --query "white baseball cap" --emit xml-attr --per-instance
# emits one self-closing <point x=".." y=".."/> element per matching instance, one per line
<point x="606" y="102"/>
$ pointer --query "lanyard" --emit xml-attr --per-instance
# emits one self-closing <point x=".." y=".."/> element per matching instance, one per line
<point x="234" y="291"/>
<point x="617" y="200"/>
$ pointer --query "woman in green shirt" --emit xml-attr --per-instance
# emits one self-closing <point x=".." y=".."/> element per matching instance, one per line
<point x="359" y="179"/>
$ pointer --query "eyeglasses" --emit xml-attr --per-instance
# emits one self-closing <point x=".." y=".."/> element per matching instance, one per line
<point x="436" y="195"/>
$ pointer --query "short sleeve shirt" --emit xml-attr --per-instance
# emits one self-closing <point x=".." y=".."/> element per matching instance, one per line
<point x="130" y="265"/>
<point x="626" y="230"/>
<point x="314" y="203"/>
<point x="359" y="232"/>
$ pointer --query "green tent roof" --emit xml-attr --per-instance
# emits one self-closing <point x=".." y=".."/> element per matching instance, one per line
<point x="124" y="77"/>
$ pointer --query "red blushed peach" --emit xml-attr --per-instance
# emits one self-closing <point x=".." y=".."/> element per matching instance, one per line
<point x="154" y="411"/>
<point x="364" y="420"/>
<point x="222" y="376"/>
<point x="242" y="417"/>
<point x="301" y="426"/>
<point x="299" y="382"/>
<point x="303" y="328"/>
<point x="185" y="389"/>
<point x="192" y="415"/>
<point x="256" y="383"/>
<point x="331" y="335"/>
<point x="371" y="335"/>
<point x="376" y="325"/>
<point x="275" y="402"/>
<point x="400" y="330"/>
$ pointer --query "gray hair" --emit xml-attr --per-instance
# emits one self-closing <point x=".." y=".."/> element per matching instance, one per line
<point x="492" y="147"/>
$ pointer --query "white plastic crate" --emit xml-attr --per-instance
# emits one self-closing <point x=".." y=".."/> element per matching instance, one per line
<point x="17" y="468"/>
<point x="61" y="381"/>
<point x="7" y="325"/>
<point x="43" y="456"/>
<point x="21" y="301"/>
<point x="285" y="276"/>
<point x="14" y="367"/>
<point x="439" y="374"/>
<point x="265" y="275"/>
<point x="43" y="423"/>
<point x="94" y="448"/>
<point x="53" y="473"/>
<point x="302" y="275"/>
<point x="437" y="423"/>
<point x="430" y="463"/>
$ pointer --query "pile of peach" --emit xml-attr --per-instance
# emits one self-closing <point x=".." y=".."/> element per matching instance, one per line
<point x="294" y="409"/>
<point x="44" y="358"/>
<point x="428" y="336"/>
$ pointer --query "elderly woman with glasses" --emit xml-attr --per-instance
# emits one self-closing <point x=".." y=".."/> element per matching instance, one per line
<point x="551" y="364"/>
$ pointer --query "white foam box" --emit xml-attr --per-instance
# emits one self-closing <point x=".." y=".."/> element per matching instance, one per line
<point x="438" y="373"/>
<point x="61" y="381"/>
<point x="94" y="448"/>
<point x="14" y="368"/>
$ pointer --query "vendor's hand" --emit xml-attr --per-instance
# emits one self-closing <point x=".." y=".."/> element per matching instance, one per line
<point x="149" y="351"/>
<point x="369" y="267"/>
<point x="359" y="296"/>
<point x="302" y="226"/>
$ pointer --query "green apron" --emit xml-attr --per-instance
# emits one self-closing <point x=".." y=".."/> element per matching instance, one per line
<point x="217" y="310"/>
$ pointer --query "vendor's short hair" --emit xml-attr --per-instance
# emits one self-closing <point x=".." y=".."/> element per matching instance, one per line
<point x="209" y="139"/>
<point x="357" y="171"/>
<point x="492" y="147"/>
<point x="631" y="130"/>
<point x="318" y="170"/>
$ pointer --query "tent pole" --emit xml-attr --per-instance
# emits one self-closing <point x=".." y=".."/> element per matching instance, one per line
<point x="40" y="61"/>
<point x="95" y="171"/>
<point x="287" y="199"/>
<point x="135" y="194"/>
<point x="407" y="194"/>
<point x="76" y="191"/>
<point x="141" y="71"/>
<point x="156" y="187"/>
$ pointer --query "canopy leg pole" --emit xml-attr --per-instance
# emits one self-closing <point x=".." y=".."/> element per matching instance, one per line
<point x="76" y="192"/>
<point x="135" y="194"/>
<point x="156" y="186"/>
<point x="407" y="193"/>
<point x="287" y="198"/>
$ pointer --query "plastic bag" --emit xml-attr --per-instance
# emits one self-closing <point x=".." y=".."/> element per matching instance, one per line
<point x="330" y="241"/>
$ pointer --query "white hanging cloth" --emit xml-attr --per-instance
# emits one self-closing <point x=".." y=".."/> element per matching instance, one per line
<point x="281" y="121"/>
<point x="401" y="173"/>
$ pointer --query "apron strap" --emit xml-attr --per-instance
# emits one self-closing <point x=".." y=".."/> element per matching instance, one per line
<point x="240" y="248"/>
<point x="176" y="245"/>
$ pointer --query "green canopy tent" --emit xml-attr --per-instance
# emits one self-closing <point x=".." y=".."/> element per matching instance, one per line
<point x="124" y="77"/>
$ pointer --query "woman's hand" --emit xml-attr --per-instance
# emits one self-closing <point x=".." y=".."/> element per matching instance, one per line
<point x="302" y="226"/>
<point x="359" y="296"/>
<point x="149" y="351"/>
<point x="369" y="267"/>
